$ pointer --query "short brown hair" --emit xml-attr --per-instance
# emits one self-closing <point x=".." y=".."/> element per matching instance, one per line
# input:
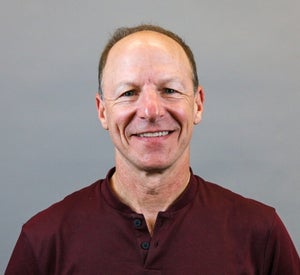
<point x="125" y="31"/>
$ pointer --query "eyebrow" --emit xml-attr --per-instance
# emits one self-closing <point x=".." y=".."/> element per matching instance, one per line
<point x="170" y="80"/>
<point x="163" y="80"/>
<point x="160" y="81"/>
<point x="124" y="84"/>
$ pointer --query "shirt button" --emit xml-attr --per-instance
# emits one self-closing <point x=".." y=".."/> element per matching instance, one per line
<point x="137" y="223"/>
<point x="145" y="245"/>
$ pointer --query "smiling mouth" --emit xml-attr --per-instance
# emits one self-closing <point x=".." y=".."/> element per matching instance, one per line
<point x="154" y="134"/>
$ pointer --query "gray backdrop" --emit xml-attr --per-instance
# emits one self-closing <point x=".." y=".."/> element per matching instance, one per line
<point x="52" y="144"/>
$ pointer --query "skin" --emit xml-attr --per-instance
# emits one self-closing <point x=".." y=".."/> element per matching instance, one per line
<point x="149" y="107"/>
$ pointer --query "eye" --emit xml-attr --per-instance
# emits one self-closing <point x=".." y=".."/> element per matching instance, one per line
<point x="129" y="93"/>
<point x="169" y="91"/>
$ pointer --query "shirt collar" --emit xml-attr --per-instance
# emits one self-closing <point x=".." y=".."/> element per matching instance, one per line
<point x="184" y="199"/>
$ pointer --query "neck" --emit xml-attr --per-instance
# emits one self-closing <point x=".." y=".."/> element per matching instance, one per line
<point x="149" y="192"/>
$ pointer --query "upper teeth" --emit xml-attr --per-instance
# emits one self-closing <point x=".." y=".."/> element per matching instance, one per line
<point x="155" y="134"/>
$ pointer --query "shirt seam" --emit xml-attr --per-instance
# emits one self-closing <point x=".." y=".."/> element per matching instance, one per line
<point x="32" y="251"/>
<point x="270" y="231"/>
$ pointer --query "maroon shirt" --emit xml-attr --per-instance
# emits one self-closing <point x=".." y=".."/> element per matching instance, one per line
<point x="207" y="230"/>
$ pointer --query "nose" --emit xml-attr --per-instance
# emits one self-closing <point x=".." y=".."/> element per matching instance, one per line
<point x="150" y="105"/>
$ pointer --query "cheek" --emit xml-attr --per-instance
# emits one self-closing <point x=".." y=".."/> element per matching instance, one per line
<point x="117" y="119"/>
<point x="184" y="114"/>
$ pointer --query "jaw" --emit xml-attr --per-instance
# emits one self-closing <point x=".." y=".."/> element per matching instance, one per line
<point x="152" y="156"/>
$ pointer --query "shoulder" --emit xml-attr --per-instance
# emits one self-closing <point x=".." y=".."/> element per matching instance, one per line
<point x="72" y="208"/>
<point x="228" y="203"/>
<point x="252" y="227"/>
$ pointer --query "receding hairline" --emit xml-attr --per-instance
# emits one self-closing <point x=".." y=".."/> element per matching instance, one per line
<point x="125" y="32"/>
<point x="142" y="38"/>
<point x="155" y="33"/>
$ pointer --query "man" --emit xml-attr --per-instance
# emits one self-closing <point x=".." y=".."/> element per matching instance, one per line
<point x="152" y="215"/>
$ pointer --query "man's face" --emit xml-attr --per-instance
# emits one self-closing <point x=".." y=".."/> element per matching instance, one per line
<point x="149" y="105"/>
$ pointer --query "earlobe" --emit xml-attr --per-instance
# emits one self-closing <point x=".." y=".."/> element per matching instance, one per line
<point x="100" y="105"/>
<point x="199" y="100"/>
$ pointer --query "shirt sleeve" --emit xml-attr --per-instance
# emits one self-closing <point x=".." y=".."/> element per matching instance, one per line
<point x="281" y="256"/>
<point x="23" y="260"/>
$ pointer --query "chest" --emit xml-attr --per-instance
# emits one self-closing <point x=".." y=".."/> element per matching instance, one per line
<point x="186" y="242"/>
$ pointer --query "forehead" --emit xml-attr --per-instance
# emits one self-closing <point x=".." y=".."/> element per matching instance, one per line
<point x="148" y="37"/>
<point x="144" y="46"/>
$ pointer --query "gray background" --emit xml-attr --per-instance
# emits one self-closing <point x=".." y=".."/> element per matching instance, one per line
<point x="52" y="144"/>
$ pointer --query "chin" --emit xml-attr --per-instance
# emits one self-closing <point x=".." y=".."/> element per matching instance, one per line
<point x="154" y="168"/>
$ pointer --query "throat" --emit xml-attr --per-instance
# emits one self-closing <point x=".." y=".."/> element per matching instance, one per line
<point x="149" y="195"/>
<point x="150" y="221"/>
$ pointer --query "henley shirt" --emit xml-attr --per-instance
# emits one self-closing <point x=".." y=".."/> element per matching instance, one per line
<point x="207" y="230"/>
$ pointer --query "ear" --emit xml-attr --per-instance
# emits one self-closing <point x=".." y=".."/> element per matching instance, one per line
<point x="198" y="105"/>
<point x="102" y="116"/>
